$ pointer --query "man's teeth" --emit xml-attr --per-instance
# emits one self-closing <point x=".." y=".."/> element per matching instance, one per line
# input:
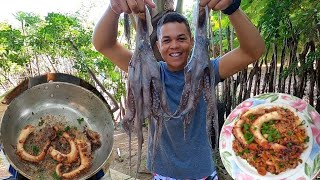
<point x="175" y="54"/>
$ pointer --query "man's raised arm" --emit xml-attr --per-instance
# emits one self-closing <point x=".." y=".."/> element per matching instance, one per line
<point x="105" y="33"/>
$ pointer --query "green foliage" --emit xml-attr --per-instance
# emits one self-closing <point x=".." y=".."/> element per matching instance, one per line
<point x="310" y="59"/>
<point x="11" y="47"/>
<point x="289" y="18"/>
<point x="57" y="37"/>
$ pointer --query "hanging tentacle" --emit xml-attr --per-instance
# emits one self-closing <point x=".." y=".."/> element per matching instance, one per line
<point x="145" y="89"/>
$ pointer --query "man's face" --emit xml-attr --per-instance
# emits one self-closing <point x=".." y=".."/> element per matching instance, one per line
<point x="175" y="44"/>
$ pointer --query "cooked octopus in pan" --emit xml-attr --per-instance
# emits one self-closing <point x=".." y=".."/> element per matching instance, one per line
<point x="34" y="156"/>
<point x="57" y="150"/>
<point x="84" y="148"/>
<point x="270" y="139"/>
<point x="61" y="157"/>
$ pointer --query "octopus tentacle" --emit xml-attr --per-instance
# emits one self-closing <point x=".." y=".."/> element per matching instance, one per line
<point x="199" y="77"/>
<point x="156" y="138"/>
<point x="258" y="111"/>
<point x="145" y="89"/>
<point x="72" y="156"/>
<point x="212" y="112"/>
<point x="138" y="128"/>
<point x="237" y="131"/>
<point x="25" y="132"/>
<point x="256" y="127"/>
<point x="84" y="149"/>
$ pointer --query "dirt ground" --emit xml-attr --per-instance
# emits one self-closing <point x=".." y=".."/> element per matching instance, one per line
<point x="121" y="163"/>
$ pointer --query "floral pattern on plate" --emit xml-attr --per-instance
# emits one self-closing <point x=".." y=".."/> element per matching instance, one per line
<point x="307" y="170"/>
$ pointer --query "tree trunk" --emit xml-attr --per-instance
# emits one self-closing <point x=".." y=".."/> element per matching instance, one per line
<point x="228" y="38"/>
<point x="51" y="63"/>
<point x="273" y="69"/>
<point x="282" y="80"/>
<point x="312" y="75"/>
<point x="266" y="75"/>
<point x="37" y="63"/>
<point x="114" y="101"/>
<point x="159" y="5"/>
<point x="253" y="72"/>
<point x="318" y="83"/>
<point x="228" y="96"/>
<point x="3" y="87"/>
<point x="7" y="78"/>
<point x="179" y="7"/>
<point x="220" y="35"/>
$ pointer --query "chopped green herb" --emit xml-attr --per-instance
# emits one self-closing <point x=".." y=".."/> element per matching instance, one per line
<point x="41" y="177"/>
<point x="302" y="123"/>
<point x="25" y="146"/>
<point x="41" y="122"/>
<point x="55" y="176"/>
<point x="67" y="128"/>
<point x="251" y="117"/>
<point x="246" y="126"/>
<point x="247" y="134"/>
<point x="35" y="149"/>
<point x="270" y="139"/>
<point x="289" y="144"/>
<point x="244" y="151"/>
<point x="281" y="165"/>
<point x="249" y="137"/>
<point x="59" y="133"/>
<point x="272" y="133"/>
<point x="307" y="139"/>
<point x="80" y="120"/>
<point x="290" y="133"/>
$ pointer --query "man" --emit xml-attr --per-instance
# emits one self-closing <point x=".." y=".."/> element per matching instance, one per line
<point x="180" y="157"/>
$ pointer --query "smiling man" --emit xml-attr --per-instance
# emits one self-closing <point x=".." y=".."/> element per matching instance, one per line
<point x="174" y="41"/>
<point x="179" y="157"/>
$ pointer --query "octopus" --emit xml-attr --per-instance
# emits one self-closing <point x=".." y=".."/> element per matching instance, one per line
<point x="58" y="140"/>
<point x="94" y="138"/>
<point x="84" y="149"/>
<point x="145" y="93"/>
<point x="67" y="158"/>
<point x="256" y="131"/>
<point x="199" y="80"/>
<point x="25" y="132"/>
<point x="237" y="131"/>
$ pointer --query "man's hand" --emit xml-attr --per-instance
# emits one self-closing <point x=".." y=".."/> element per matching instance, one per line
<point x="216" y="5"/>
<point x="130" y="6"/>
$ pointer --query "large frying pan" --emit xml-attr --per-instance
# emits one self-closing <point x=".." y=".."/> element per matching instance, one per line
<point x="63" y="100"/>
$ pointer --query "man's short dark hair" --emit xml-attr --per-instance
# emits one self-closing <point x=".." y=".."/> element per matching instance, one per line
<point x="172" y="17"/>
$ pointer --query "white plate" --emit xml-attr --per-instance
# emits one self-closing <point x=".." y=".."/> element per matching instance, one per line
<point x="239" y="169"/>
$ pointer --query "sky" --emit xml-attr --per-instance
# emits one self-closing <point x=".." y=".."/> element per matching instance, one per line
<point x="43" y="7"/>
<point x="95" y="8"/>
